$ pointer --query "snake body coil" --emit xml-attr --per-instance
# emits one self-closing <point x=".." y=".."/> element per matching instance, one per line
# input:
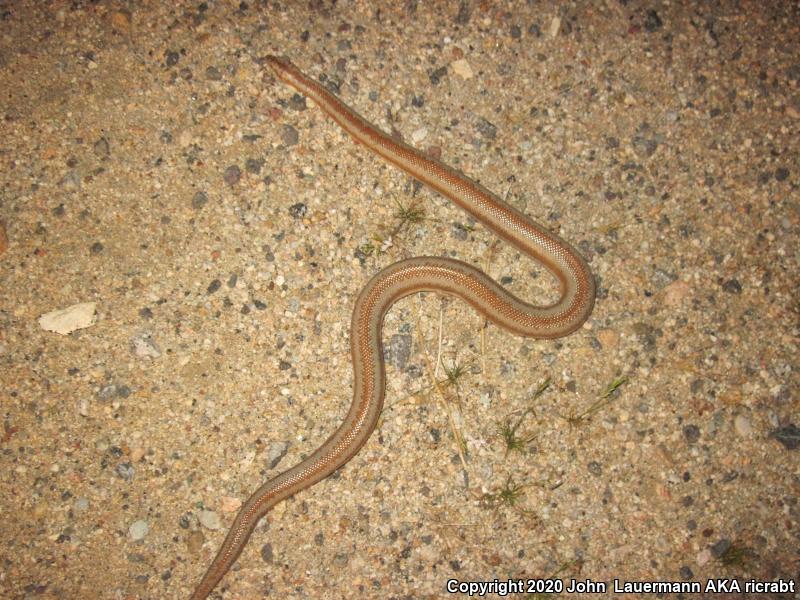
<point x="406" y="277"/>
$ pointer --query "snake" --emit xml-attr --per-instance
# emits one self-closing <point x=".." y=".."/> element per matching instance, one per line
<point x="419" y="274"/>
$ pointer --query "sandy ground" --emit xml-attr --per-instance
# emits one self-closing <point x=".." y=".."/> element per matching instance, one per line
<point x="222" y="227"/>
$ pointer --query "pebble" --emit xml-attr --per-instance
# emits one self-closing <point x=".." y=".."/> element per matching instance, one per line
<point x="487" y="129"/>
<point x="101" y="148"/>
<point x="229" y="504"/>
<point x="743" y="426"/>
<point x="69" y="319"/>
<point x="120" y="20"/>
<point x="652" y="22"/>
<point x="691" y="433"/>
<point x="398" y="351"/>
<point x="789" y="436"/>
<point x="608" y="338"/>
<point x="266" y="553"/>
<point x="462" y="68"/>
<point x="126" y="471"/>
<point x="720" y="547"/>
<point x="675" y="292"/>
<point x="703" y="557"/>
<point x="232" y="175"/>
<point x="138" y="530"/>
<point x="195" y="541"/>
<point x="289" y="135"/>
<point x="199" y="200"/>
<point x="144" y="347"/>
<point x="555" y="25"/>
<point x="732" y="286"/>
<point x="209" y="519"/>
<point x="277" y="450"/>
<point x="419" y="134"/>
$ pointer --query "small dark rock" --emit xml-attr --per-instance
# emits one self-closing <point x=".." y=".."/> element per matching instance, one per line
<point x="464" y="13"/>
<point x="486" y="129"/>
<point x="437" y="76"/>
<point x="788" y="435"/>
<point x="213" y="286"/>
<point x="266" y="553"/>
<point x="126" y="471"/>
<point x="232" y="175"/>
<point x="720" y="548"/>
<point x="298" y="102"/>
<point x="459" y="231"/>
<point x="199" y="200"/>
<point x="289" y="135"/>
<point x="652" y="22"/>
<point x="101" y="148"/>
<point x="644" y="147"/>
<point x="107" y="392"/>
<point x="732" y="286"/>
<point x="691" y="433"/>
<point x="213" y="74"/>
<point x="298" y="210"/>
<point x="398" y="350"/>
<point x="254" y="165"/>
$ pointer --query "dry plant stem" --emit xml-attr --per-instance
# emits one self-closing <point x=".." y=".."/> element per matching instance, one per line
<point x="406" y="277"/>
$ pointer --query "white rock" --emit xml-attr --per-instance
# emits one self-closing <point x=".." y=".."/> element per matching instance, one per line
<point x="230" y="504"/>
<point x="67" y="320"/>
<point x="419" y="135"/>
<point x="144" y="347"/>
<point x="138" y="530"/>
<point x="555" y="25"/>
<point x="461" y="67"/>
<point x="210" y="520"/>
<point x="743" y="426"/>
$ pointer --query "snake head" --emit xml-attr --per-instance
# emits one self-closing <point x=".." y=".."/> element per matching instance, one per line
<point x="281" y="66"/>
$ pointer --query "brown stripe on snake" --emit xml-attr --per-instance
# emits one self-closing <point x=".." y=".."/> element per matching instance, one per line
<point x="406" y="277"/>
